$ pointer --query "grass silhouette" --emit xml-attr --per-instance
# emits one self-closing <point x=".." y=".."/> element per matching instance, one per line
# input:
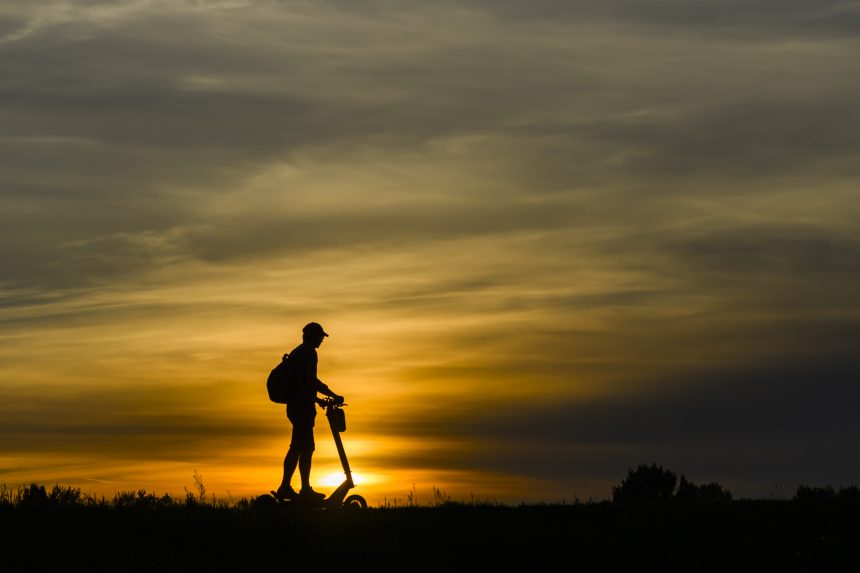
<point x="60" y="526"/>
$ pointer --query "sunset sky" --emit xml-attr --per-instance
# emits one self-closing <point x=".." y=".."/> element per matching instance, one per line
<point x="551" y="240"/>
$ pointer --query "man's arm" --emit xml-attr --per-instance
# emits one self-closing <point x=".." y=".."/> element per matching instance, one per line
<point x="326" y="391"/>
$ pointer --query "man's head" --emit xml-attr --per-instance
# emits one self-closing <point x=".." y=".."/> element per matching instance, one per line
<point x="313" y="333"/>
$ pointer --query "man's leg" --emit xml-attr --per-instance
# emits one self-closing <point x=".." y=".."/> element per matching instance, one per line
<point x="305" y="461"/>
<point x="290" y="462"/>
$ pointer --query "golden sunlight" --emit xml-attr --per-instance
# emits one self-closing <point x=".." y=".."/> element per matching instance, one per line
<point x="335" y="478"/>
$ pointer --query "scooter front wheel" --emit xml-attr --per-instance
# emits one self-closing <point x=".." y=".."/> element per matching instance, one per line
<point x="354" y="502"/>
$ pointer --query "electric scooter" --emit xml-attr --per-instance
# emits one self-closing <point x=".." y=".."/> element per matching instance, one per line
<point x="338" y="499"/>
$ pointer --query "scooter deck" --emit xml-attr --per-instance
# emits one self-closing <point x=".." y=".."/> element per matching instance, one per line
<point x="299" y="501"/>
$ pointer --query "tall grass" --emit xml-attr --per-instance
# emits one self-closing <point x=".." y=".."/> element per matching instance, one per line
<point x="36" y="495"/>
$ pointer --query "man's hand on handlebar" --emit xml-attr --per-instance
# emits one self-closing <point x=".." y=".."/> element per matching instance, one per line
<point x="335" y="399"/>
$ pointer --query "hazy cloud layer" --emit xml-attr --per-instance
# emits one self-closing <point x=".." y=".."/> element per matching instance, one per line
<point x="635" y="213"/>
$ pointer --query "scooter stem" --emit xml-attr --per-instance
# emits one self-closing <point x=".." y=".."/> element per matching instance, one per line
<point x="341" y="452"/>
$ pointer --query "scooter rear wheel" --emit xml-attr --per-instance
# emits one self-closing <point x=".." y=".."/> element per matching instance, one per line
<point x="354" y="502"/>
<point x="264" y="502"/>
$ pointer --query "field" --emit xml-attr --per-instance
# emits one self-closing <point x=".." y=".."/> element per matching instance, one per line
<point x="143" y="532"/>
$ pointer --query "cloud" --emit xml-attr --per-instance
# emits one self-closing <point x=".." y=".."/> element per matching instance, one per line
<point x="750" y="425"/>
<point x="154" y="421"/>
<point x="831" y="18"/>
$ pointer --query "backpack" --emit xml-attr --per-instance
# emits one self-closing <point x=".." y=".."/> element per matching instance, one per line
<point x="278" y="384"/>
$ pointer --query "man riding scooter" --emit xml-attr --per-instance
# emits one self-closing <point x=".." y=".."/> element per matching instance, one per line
<point x="301" y="411"/>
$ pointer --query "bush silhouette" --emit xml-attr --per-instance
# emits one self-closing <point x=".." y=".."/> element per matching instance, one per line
<point x="808" y="493"/>
<point x="706" y="493"/>
<point x="655" y="484"/>
<point x="645" y="484"/>
<point x="852" y="492"/>
<point x="65" y="496"/>
<point x="141" y="499"/>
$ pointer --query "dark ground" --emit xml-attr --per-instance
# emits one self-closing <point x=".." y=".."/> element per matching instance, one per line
<point x="739" y="535"/>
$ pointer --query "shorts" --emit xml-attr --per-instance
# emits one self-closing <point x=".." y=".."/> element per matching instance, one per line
<point x="303" y="431"/>
<point x="303" y="438"/>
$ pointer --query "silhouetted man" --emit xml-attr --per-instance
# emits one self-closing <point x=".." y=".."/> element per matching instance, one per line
<point x="301" y="410"/>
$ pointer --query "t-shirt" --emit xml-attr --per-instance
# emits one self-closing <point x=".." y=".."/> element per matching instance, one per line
<point x="303" y="372"/>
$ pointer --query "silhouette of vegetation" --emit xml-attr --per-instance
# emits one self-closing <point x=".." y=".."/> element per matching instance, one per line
<point x="645" y="484"/>
<point x="141" y="500"/>
<point x="807" y="493"/>
<point x="678" y="524"/>
<point x="655" y="484"/>
<point x="852" y="492"/>
<point x="827" y="493"/>
<point x="689" y="492"/>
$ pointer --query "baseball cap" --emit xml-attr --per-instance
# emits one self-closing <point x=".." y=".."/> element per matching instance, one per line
<point x="314" y="328"/>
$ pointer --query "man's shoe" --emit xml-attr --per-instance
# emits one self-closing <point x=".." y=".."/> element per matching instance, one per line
<point x="309" y="494"/>
<point x="286" y="493"/>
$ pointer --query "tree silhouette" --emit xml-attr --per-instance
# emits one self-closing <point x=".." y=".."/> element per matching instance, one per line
<point x="809" y="493"/>
<point x="645" y="484"/>
<point x="655" y="484"/>
<point x="706" y="493"/>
